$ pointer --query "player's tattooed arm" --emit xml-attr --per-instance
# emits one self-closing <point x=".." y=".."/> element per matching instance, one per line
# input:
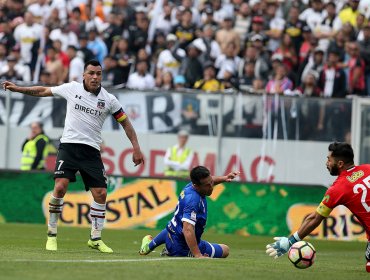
<point x="38" y="91"/>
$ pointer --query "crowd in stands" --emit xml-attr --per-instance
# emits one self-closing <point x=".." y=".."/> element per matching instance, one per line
<point x="317" y="48"/>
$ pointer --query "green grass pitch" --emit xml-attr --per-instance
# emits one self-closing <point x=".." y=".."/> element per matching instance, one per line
<point x="22" y="256"/>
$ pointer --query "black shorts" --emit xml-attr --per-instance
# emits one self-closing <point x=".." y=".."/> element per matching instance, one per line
<point x="84" y="158"/>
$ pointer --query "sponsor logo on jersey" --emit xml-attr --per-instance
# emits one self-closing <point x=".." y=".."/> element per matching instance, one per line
<point x="101" y="104"/>
<point x="193" y="216"/>
<point x="78" y="96"/>
<point x="88" y="110"/>
<point x="326" y="198"/>
<point x="355" y="176"/>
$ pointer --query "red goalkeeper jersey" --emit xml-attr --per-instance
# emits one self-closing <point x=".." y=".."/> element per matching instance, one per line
<point x="351" y="189"/>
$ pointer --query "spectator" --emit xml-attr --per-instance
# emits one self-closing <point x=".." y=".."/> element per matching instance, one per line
<point x="141" y="79"/>
<point x="315" y="61"/>
<point x="228" y="60"/>
<point x="256" y="55"/>
<point x="122" y="7"/>
<point x="40" y="10"/>
<point x="286" y="49"/>
<point x="54" y="64"/>
<point x="309" y="87"/>
<point x="257" y="29"/>
<point x="227" y="35"/>
<point x="179" y="82"/>
<point x="209" y="82"/>
<point x="26" y="34"/>
<point x="6" y="35"/>
<point x="294" y="27"/>
<point x="280" y="82"/>
<point x="338" y="45"/>
<point x="54" y="21"/>
<point x="309" y="111"/>
<point x="211" y="49"/>
<point x="243" y="21"/>
<point x="35" y="149"/>
<point x="221" y="10"/>
<point x="65" y="36"/>
<point x="191" y="67"/>
<point x="178" y="158"/>
<point x="46" y="79"/>
<point x="313" y="15"/>
<point x="76" y="66"/>
<point x="332" y="79"/>
<point x="138" y="33"/>
<point x="185" y="29"/>
<point x="330" y="25"/>
<point x="167" y="81"/>
<point x="365" y="54"/>
<point x="87" y="53"/>
<point x="75" y="22"/>
<point x="14" y="71"/>
<point x="3" y="55"/>
<point x="169" y="60"/>
<point x="350" y="13"/>
<point x="97" y="45"/>
<point x="163" y="22"/>
<point x="276" y="26"/>
<point x="258" y="86"/>
<point x="114" y="30"/>
<point x="57" y="44"/>
<point x="309" y="43"/>
<point x="356" y="67"/>
<point x="114" y="74"/>
<point x="186" y="5"/>
<point x="207" y="18"/>
<point x="246" y="80"/>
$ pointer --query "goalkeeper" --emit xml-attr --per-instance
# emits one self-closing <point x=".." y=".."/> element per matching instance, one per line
<point x="349" y="189"/>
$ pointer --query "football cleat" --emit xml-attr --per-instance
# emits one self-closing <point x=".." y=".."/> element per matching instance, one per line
<point x="51" y="243"/>
<point x="368" y="266"/>
<point x="144" y="249"/>
<point x="99" y="245"/>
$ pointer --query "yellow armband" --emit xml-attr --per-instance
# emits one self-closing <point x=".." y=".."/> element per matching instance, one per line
<point x="323" y="210"/>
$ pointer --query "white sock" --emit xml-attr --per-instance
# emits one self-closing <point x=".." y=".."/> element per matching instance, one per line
<point x="55" y="209"/>
<point x="97" y="215"/>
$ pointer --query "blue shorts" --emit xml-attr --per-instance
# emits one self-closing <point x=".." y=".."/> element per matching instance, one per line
<point x="177" y="247"/>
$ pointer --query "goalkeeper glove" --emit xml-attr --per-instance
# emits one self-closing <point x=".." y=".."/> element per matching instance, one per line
<point x="281" y="245"/>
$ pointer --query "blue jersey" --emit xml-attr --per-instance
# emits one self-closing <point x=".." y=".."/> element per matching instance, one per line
<point x="191" y="208"/>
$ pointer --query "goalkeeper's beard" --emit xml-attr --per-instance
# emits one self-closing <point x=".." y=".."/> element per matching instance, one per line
<point x="334" y="170"/>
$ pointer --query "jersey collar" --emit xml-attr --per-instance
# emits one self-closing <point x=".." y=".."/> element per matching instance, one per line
<point x="96" y="93"/>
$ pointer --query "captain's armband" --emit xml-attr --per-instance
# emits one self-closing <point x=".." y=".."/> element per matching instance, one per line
<point x="120" y="115"/>
<point x="323" y="210"/>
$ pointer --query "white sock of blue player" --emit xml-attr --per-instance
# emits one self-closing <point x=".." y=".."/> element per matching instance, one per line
<point x="97" y="215"/>
<point x="158" y="240"/>
<point x="55" y="209"/>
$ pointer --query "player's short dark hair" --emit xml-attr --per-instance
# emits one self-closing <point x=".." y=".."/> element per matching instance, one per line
<point x="342" y="151"/>
<point x="198" y="173"/>
<point x="92" y="62"/>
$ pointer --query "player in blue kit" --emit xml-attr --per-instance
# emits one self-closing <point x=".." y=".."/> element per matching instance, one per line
<point x="182" y="235"/>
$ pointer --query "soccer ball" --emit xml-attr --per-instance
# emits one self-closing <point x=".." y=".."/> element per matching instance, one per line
<point x="302" y="254"/>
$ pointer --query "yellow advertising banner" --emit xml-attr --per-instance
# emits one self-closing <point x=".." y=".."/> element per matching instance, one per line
<point x="340" y="225"/>
<point x="137" y="203"/>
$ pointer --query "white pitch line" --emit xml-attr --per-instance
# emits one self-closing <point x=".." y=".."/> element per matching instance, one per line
<point x="102" y="261"/>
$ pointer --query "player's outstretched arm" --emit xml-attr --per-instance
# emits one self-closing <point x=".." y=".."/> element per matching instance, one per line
<point x="227" y="178"/>
<point x="137" y="156"/>
<point x="38" y="91"/>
